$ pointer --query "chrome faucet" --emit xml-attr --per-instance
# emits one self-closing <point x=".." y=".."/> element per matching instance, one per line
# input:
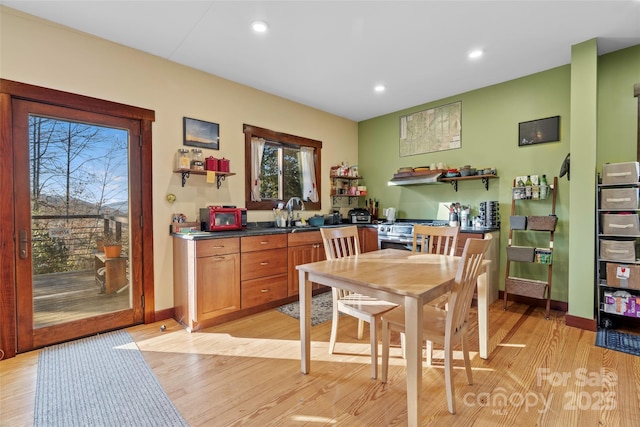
<point x="289" y="208"/>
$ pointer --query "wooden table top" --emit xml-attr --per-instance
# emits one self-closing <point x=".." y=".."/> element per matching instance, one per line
<point x="391" y="270"/>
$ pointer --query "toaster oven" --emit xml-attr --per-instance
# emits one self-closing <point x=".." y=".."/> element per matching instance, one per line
<point x="222" y="218"/>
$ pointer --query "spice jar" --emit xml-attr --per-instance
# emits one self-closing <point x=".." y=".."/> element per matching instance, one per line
<point x="182" y="159"/>
<point x="197" y="159"/>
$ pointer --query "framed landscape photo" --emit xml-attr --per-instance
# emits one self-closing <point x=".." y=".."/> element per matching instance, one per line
<point x="198" y="133"/>
<point x="539" y="131"/>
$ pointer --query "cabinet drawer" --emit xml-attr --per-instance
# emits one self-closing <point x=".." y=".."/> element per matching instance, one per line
<point x="263" y="290"/>
<point x="304" y="238"/>
<point x="217" y="246"/>
<point x="263" y="263"/>
<point x="260" y="243"/>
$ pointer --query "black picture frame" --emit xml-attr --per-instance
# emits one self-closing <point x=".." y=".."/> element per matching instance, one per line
<point x="539" y="131"/>
<point x="198" y="133"/>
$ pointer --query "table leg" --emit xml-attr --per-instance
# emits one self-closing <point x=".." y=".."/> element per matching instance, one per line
<point x="483" y="313"/>
<point x="413" y="343"/>
<point x="305" y="321"/>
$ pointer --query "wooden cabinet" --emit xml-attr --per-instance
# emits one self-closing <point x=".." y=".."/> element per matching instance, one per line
<point x="368" y="237"/>
<point x="304" y="248"/>
<point x="206" y="274"/>
<point x="263" y="269"/>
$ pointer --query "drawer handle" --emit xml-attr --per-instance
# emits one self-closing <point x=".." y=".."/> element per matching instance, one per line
<point x="219" y="257"/>
<point x="264" y="291"/>
<point x="218" y="247"/>
<point x="264" y="263"/>
<point x="264" y="242"/>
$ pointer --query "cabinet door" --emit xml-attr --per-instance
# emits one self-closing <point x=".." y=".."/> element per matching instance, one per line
<point x="303" y="254"/>
<point x="368" y="239"/>
<point x="217" y="286"/>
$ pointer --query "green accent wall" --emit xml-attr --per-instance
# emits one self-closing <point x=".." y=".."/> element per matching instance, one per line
<point x="490" y="118"/>
<point x="584" y="82"/>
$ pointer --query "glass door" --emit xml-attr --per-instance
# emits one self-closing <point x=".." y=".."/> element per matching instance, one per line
<point x="74" y="274"/>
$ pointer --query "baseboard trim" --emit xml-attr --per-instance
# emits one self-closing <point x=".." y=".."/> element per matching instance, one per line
<point x="581" y="323"/>
<point x="165" y="314"/>
<point x="535" y="302"/>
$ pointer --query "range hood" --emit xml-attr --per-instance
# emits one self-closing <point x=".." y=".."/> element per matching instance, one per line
<point x="415" y="178"/>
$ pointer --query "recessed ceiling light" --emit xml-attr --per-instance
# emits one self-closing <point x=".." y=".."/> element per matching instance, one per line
<point x="379" y="88"/>
<point x="476" y="54"/>
<point x="259" y="26"/>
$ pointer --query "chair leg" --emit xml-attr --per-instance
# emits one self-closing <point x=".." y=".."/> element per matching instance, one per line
<point x="448" y="376"/>
<point x="385" y="350"/>
<point x="403" y="345"/>
<point x="360" y="329"/>
<point x="373" y="336"/>
<point x="467" y="362"/>
<point x="334" y="328"/>
<point x="429" y="352"/>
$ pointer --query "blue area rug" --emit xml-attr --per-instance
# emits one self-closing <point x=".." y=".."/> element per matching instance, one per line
<point x="102" y="381"/>
<point x="618" y="341"/>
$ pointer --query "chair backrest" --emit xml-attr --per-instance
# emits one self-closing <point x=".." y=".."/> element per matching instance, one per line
<point x="340" y="241"/>
<point x="465" y="283"/>
<point x="438" y="240"/>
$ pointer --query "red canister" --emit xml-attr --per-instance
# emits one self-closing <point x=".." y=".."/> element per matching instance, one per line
<point x="211" y="163"/>
<point x="223" y="165"/>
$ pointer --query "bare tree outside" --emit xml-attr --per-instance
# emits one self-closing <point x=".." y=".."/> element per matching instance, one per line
<point x="78" y="174"/>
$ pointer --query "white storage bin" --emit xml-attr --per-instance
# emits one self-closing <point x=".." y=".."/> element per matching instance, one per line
<point x="620" y="173"/>
<point x="620" y="224"/>
<point x="614" y="250"/>
<point x="619" y="198"/>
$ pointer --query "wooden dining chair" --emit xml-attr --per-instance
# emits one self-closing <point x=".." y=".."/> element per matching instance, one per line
<point x="340" y="242"/>
<point x="435" y="240"/>
<point x="445" y="327"/>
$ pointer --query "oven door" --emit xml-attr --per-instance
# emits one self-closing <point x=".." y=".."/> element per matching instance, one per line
<point x="395" y="244"/>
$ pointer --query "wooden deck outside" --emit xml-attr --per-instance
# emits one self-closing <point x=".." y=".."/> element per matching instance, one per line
<point x="63" y="297"/>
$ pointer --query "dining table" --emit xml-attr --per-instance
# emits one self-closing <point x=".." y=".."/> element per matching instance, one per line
<point x="401" y="277"/>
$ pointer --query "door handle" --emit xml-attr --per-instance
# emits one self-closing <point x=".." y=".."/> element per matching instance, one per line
<point x="23" y="244"/>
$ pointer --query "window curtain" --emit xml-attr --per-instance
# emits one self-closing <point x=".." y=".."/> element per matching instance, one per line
<point x="257" y="149"/>
<point x="309" y="187"/>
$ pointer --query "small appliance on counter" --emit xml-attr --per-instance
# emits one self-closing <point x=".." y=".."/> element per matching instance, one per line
<point x="390" y="213"/>
<point x="333" y="218"/>
<point x="222" y="218"/>
<point x="359" y="216"/>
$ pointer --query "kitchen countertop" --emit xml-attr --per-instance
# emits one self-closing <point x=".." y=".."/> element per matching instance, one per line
<point x="257" y="229"/>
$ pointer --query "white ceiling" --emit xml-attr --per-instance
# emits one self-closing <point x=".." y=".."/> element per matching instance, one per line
<point x="330" y="54"/>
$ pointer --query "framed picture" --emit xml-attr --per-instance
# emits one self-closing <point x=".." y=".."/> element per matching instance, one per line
<point x="198" y="133"/>
<point x="428" y="131"/>
<point x="539" y="131"/>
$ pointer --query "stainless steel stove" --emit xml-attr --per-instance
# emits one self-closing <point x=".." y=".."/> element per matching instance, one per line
<point x="399" y="235"/>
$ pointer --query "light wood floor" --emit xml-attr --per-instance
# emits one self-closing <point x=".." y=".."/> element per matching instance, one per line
<point x="247" y="372"/>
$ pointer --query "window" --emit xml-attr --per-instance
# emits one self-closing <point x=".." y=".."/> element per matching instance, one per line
<point x="279" y="166"/>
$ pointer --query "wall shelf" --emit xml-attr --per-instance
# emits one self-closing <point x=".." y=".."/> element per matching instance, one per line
<point x="485" y="180"/>
<point x="351" y="180"/>
<point x="186" y="173"/>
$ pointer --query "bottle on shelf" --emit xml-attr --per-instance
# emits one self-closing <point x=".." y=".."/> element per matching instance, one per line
<point x="544" y="187"/>
<point x="527" y="187"/>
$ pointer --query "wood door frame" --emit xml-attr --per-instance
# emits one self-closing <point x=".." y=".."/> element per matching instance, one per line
<point x="10" y="90"/>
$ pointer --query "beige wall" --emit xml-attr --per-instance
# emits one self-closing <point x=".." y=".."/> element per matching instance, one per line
<point x="41" y="53"/>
